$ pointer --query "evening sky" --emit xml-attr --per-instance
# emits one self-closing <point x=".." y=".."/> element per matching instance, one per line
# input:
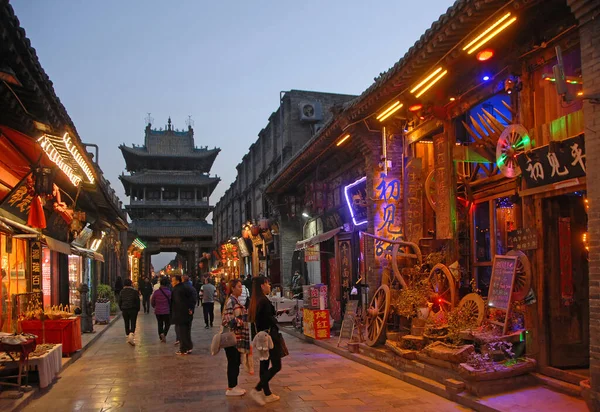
<point x="222" y="62"/>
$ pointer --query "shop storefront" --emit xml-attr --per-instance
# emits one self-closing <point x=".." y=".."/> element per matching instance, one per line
<point x="14" y="262"/>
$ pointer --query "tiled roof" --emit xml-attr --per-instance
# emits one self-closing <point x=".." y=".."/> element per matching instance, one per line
<point x="142" y="151"/>
<point x="176" y="228"/>
<point x="179" y="178"/>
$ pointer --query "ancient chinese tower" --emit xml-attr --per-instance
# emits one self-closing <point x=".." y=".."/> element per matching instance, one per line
<point x="169" y="186"/>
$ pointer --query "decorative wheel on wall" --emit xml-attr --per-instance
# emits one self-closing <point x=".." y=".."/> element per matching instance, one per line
<point x="522" y="275"/>
<point x="377" y="316"/>
<point x="474" y="307"/>
<point x="443" y="287"/>
<point x="463" y="190"/>
<point x="513" y="140"/>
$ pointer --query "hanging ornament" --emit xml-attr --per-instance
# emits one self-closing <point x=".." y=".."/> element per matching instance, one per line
<point x="36" y="218"/>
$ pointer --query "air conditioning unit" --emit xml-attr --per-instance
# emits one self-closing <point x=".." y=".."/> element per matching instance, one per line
<point x="311" y="112"/>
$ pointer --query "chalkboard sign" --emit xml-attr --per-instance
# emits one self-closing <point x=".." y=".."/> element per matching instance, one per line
<point x="501" y="285"/>
<point x="348" y="321"/>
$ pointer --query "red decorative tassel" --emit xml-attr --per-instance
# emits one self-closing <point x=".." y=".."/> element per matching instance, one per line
<point x="37" y="218"/>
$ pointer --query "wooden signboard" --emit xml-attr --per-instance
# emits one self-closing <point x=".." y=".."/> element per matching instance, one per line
<point x="523" y="239"/>
<point x="501" y="286"/>
<point x="348" y="321"/>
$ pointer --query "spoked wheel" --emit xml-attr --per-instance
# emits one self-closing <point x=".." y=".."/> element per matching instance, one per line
<point x="443" y="289"/>
<point x="377" y="316"/>
<point x="474" y="308"/>
<point x="522" y="275"/>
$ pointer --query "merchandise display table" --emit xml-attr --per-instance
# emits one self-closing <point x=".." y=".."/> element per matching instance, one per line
<point x="281" y="303"/>
<point x="22" y="350"/>
<point x="45" y="359"/>
<point x="64" y="331"/>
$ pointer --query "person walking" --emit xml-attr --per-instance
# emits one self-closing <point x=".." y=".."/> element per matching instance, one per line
<point x="245" y="296"/>
<point x="208" y="303"/>
<point x="235" y="319"/>
<point x="145" y="289"/>
<point x="262" y="313"/>
<point x="182" y="313"/>
<point x="222" y="289"/>
<point x="118" y="286"/>
<point x="129" y="303"/>
<point x="198" y="287"/>
<point x="161" y="302"/>
<point x="247" y="281"/>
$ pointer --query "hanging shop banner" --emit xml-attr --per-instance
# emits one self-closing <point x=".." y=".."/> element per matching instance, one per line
<point x="312" y="253"/>
<point x="413" y="201"/>
<point x="345" y="251"/>
<point x="36" y="266"/>
<point x="523" y="239"/>
<point x="566" y="266"/>
<point x="243" y="247"/>
<point x="18" y="201"/>
<point x="554" y="163"/>
<point x="356" y="199"/>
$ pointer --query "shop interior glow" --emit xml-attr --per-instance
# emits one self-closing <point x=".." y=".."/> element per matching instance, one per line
<point x="78" y="157"/>
<point x="58" y="160"/>
<point x="138" y="243"/>
<point x="415" y="107"/>
<point x="489" y="33"/>
<point x="342" y="140"/>
<point x="389" y="111"/>
<point x="97" y="242"/>
<point x="349" y="202"/>
<point x="428" y="81"/>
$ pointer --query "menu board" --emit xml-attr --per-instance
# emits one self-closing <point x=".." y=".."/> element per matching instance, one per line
<point x="523" y="239"/>
<point x="501" y="283"/>
<point x="501" y="286"/>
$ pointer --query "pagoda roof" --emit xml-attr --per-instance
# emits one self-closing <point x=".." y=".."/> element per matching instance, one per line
<point x="174" y="228"/>
<point x="169" y="178"/>
<point x="138" y="157"/>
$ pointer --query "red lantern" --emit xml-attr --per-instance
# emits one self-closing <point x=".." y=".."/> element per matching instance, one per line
<point x="36" y="218"/>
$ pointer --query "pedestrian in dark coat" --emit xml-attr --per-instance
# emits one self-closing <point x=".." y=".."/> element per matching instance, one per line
<point x="182" y="313"/>
<point x="129" y="302"/>
<point x="145" y="288"/>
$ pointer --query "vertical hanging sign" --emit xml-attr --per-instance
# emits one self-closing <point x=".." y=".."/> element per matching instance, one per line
<point x="445" y="213"/>
<point x="36" y="266"/>
<point x="413" y="201"/>
<point x="566" y="267"/>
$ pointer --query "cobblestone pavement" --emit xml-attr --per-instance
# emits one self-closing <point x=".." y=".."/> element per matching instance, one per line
<point x="112" y="375"/>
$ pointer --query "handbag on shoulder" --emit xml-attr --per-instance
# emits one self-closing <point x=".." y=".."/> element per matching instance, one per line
<point x="283" y="346"/>
<point x="222" y="340"/>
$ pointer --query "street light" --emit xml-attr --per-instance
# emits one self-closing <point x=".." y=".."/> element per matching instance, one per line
<point x="306" y="215"/>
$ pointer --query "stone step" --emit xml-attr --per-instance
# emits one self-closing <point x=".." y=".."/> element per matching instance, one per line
<point x="558" y="385"/>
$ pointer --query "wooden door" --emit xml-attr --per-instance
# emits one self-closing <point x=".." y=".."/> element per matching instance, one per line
<point x="567" y="313"/>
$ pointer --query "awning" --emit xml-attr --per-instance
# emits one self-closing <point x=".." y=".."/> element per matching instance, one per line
<point x="17" y="225"/>
<point x="57" y="245"/>
<point x="88" y="252"/>
<point x="303" y="244"/>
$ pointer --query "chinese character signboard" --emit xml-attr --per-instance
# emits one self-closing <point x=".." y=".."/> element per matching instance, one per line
<point x="523" y="239"/>
<point x="316" y="323"/>
<point x="445" y="207"/>
<point x="554" y="163"/>
<point x="388" y="212"/>
<point x="413" y="201"/>
<point x="345" y="254"/>
<point x="356" y="198"/>
<point x="312" y="253"/>
<point x="36" y="266"/>
<point x="313" y="295"/>
<point x="18" y="202"/>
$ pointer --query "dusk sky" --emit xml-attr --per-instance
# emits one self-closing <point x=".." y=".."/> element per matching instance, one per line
<point x="224" y="63"/>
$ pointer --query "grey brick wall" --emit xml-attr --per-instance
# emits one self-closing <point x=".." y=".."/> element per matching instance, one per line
<point x="290" y="233"/>
<point x="588" y="13"/>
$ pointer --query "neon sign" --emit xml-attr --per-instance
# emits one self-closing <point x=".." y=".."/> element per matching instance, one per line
<point x="356" y="199"/>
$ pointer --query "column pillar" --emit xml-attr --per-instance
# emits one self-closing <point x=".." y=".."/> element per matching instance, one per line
<point x="588" y="14"/>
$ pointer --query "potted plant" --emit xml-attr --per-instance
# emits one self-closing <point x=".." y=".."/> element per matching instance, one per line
<point x="104" y="298"/>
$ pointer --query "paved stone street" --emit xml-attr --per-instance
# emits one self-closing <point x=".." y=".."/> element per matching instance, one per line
<point x="112" y="375"/>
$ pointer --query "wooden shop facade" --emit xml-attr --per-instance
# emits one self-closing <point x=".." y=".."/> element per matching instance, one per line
<point x="471" y="155"/>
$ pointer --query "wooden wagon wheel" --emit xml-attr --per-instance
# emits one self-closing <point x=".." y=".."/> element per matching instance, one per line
<point x="463" y="190"/>
<point x="442" y="287"/>
<point x="522" y="275"/>
<point x="474" y="308"/>
<point x="377" y="315"/>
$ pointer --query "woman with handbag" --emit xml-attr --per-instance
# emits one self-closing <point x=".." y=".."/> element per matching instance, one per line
<point x="161" y="302"/>
<point x="262" y="313"/>
<point x="234" y="318"/>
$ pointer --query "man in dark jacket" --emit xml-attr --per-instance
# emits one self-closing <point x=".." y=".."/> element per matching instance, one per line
<point x="183" y="303"/>
<point x="145" y="288"/>
<point x="129" y="303"/>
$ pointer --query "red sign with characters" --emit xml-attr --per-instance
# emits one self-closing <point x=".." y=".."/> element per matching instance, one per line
<point x="316" y="323"/>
